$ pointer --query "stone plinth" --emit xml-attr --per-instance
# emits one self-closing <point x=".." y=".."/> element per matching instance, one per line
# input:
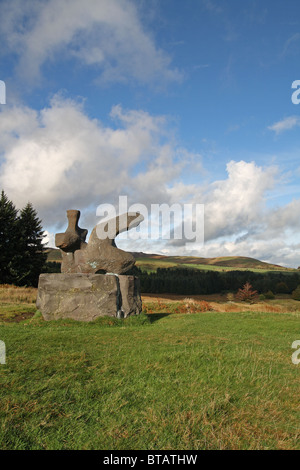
<point x="86" y="297"/>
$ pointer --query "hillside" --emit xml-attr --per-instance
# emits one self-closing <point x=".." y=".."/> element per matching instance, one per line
<point x="150" y="262"/>
<point x="53" y="254"/>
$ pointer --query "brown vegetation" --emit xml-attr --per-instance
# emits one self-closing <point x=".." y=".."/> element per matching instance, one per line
<point x="172" y="303"/>
<point x="13" y="294"/>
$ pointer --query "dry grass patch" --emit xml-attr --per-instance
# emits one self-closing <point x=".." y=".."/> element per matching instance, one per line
<point x="17" y="303"/>
<point x="185" y="306"/>
<point x="11" y="294"/>
<point x="172" y="303"/>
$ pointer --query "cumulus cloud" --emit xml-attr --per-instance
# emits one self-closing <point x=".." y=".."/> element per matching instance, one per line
<point x="285" y="124"/>
<point x="235" y="206"/>
<point x="59" y="158"/>
<point x="276" y="251"/>
<point x="285" y="218"/>
<point x="237" y="203"/>
<point x="105" y="34"/>
<point x="238" y="221"/>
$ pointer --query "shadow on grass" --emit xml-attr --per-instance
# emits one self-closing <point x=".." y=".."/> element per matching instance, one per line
<point x="153" y="317"/>
<point x="105" y="321"/>
<point x="143" y="319"/>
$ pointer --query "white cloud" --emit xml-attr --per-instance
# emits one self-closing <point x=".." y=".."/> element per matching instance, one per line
<point x="59" y="158"/>
<point x="285" y="218"/>
<point x="49" y="239"/>
<point x="106" y="34"/>
<point x="237" y="203"/>
<point x="238" y="221"/>
<point x="285" y="124"/>
<point x="276" y="251"/>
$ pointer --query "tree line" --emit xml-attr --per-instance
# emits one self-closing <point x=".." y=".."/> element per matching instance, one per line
<point x="188" y="281"/>
<point x="22" y="253"/>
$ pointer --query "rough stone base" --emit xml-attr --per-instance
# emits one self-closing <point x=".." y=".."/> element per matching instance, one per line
<point x="85" y="297"/>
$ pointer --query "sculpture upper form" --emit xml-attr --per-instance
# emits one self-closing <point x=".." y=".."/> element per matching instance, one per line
<point x="99" y="255"/>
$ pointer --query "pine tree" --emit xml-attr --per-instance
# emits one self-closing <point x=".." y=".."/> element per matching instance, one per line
<point x="246" y="294"/>
<point x="31" y="253"/>
<point x="8" y="239"/>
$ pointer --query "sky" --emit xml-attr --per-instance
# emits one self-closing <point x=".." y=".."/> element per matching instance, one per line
<point x="162" y="101"/>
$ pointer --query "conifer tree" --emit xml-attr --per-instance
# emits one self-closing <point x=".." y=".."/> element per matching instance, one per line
<point x="8" y="239"/>
<point x="22" y="256"/>
<point x="32" y="255"/>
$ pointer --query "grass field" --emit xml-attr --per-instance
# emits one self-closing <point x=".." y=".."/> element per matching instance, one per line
<point x="213" y="379"/>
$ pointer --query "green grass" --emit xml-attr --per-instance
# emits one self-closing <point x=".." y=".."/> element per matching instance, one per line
<point x="214" y="267"/>
<point x="16" y="303"/>
<point x="200" y="381"/>
<point x="12" y="312"/>
<point x="151" y="265"/>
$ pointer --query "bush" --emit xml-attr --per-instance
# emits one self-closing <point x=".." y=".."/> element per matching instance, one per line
<point x="269" y="295"/>
<point x="262" y="297"/>
<point x="230" y="297"/>
<point x="296" y="293"/>
<point x="281" y="288"/>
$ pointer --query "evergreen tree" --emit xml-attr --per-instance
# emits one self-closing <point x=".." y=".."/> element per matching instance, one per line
<point x="8" y="239"/>
<point x="246" y="294"/>
<point x="31" y="253"/>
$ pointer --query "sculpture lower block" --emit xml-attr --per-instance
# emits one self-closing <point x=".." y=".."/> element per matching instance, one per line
<point x="85" y="297"/>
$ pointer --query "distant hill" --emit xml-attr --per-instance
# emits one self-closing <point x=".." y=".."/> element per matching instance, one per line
<point x="151" y="261"/>
<point x="53" y="254"/>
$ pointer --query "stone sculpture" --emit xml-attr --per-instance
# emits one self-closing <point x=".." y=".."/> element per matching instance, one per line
<point x="85" y="297"/>
<point x="99" y="255"/>
<point x="92" y="283"/>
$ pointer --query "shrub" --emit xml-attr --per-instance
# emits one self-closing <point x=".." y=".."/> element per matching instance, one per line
<point x="192" y="307"/>
<point x="269" y="295"/>
<point x="296" y="293"/>
<point x="230" y="297"/>
<point x="246" y="294"/>
<point x="281" y="288"/>
<point x="262" y="297"/>
<point x="204" y="306"/>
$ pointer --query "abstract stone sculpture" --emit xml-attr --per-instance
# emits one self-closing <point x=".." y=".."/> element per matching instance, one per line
<point x="92" y="283"/>
<point x="74" y="236"/>
<point x="99" y="255"/>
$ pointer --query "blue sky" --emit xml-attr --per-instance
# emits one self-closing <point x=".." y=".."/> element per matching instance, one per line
<point x="164" y="101"/>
